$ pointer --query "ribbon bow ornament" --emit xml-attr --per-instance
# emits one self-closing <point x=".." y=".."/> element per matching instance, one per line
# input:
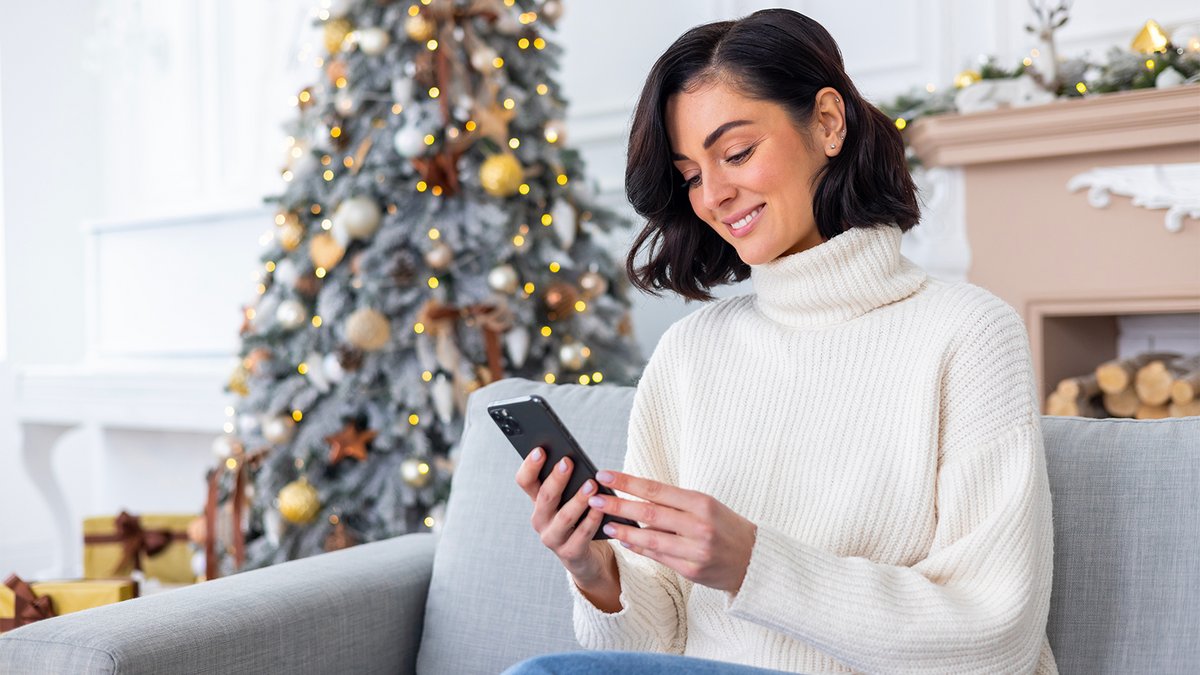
<point x="136" y="540"/>
<point x="27" y="606"/>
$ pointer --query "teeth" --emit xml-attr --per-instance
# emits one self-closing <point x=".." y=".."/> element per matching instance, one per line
<point x="746" y="221"/>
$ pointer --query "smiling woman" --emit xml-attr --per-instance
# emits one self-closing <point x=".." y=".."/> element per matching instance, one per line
<point x="840" y="472"/>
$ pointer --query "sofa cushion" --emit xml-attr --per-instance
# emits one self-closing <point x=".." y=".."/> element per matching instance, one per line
<point x="497" y="596"/>
<point x="1126" y="499"/>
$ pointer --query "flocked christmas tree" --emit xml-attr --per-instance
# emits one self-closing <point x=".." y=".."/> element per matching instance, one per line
<point x="435" y="234"/>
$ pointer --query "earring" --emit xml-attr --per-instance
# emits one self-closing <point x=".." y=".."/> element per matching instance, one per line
<point x="843" y="134"/>
<point x="832" y="146"/>
<point x="837" y="100"/>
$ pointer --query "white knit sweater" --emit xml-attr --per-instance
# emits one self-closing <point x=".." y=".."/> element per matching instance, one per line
<point x="882" y="431"/>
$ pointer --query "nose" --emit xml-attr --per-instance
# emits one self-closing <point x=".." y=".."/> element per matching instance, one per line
<point x="717" y="190"/>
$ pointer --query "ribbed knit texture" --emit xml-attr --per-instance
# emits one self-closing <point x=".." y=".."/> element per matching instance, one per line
<point x="882" y="431"/>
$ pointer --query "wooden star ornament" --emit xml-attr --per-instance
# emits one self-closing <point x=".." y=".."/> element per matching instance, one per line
<point x="349" y="442"/>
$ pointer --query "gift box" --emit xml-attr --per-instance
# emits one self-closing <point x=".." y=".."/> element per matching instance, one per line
<point x="22" y="603"/>
<point x="156" y="544"/>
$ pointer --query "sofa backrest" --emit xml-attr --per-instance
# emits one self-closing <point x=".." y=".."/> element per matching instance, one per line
<point x="1126" y="498"/>
<point x="497" y="596"/>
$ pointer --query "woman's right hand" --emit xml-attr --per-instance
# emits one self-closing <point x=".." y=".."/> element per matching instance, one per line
<point x="591" y="563"/>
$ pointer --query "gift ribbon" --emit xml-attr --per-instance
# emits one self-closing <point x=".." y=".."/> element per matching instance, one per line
<point x="27" y="606"/>
<point x="135" y="539"/>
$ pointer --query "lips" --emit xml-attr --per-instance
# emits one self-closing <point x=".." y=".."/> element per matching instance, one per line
<point x="743" y="222"/>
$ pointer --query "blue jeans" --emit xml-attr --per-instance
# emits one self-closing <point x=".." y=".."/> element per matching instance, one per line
<point x="628" y="663"/>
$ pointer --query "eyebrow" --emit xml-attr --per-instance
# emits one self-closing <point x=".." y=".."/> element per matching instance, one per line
<point x="712" y="138"/>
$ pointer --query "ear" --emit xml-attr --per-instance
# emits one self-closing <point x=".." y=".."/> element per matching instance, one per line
<point x="830" y="112"/>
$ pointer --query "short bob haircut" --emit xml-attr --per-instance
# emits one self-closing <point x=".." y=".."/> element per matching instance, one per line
<point x="775" y="55"/>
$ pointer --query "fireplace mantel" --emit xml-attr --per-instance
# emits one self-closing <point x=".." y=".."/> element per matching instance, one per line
<point x="1068" y="267"/>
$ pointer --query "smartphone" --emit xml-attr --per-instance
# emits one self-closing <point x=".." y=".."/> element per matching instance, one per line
<point x="529" y="422"/>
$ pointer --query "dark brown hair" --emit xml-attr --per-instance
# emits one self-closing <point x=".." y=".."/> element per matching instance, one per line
<point x="774" y="55"/>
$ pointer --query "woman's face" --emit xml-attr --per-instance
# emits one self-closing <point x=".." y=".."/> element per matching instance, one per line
<point x="748" y="169"/>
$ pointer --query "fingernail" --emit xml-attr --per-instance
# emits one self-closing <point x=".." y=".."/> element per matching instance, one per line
<point x="610" y="530"/>
<point x="536" y="455"/>
<point x="562" y="465"/>
<point x="597" y="502"/>
<point x="589" y="487"/>
<point x="605" y="477"/>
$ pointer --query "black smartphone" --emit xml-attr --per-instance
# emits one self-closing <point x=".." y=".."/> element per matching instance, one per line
<point x="529" y="422"/>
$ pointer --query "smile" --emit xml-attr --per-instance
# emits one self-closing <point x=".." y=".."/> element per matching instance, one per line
<point x="742" y="227"/>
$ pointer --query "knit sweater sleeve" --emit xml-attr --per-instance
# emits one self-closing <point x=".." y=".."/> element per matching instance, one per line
<point x="652" y="616"/>
<point x="978" y="601"/>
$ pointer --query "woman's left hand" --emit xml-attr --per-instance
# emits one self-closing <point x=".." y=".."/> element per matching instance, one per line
<point x="690" y="532"/>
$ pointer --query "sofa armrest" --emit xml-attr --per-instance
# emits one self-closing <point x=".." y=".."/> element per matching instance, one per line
<point x="359" y="610"/>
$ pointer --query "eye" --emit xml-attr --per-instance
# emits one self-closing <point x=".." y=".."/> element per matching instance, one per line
<point x="692" y="182"/>
<point x="742" y="156"/>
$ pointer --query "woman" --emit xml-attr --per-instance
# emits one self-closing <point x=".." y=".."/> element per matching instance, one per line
<point x="840" y="472"/>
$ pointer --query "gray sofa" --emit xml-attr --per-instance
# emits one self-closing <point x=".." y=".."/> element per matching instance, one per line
<point x="484" y="594"/>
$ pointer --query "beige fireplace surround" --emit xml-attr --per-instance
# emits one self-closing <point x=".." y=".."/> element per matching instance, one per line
<point x="1071" y="268"/>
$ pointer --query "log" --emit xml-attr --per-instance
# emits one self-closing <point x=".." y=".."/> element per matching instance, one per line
<point x="1081" y="387"/>
<point x="1190" y="409"/>
<point x="1153" y="382"/>
<point x="1151" y="412"/>
<point x="1122" y="404"/>
<point x="1184" y="390"/>
<point x="1116" y="375"/>
<point x="1062" y="406"/>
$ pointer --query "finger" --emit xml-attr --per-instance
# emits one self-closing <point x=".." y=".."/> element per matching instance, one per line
<point x="562" y="525"/>
<point x="581" y="538"/>
<point x="648" y="539"/>
<point x="656" y="516"/>
<point x="686" y="568"/>
<point x="651" y="490"/>
<point x="527" y="473"/>
<point x="550" y="494"/>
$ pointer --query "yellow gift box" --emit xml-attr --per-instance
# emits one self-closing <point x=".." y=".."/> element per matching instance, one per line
<point x="65" y="597"/>
<point x="157" y="544"/>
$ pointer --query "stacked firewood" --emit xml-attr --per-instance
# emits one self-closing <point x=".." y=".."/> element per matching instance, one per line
<point x="1147" y="386"/>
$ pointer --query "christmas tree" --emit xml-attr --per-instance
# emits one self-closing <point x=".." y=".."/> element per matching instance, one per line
<point x="435" y="234"/>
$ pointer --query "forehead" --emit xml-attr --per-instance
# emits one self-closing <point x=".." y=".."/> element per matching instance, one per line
<point x="693" y="114"/>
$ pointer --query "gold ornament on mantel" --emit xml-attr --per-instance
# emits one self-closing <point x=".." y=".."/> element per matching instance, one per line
<point x="501" y="175"/>
<point x="299" y="502"/>
<point x="1151" y="39"/>
<point x="336" y="31"/>
<point x="967" y="78"/>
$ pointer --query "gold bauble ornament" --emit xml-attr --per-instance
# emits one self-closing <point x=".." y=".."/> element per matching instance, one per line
<point x="325" y="251"/>
<point x="420" y="28"/>
<point x="368" y="329"/>
<point x="335" y="34"/>
<point x="561" y="297"/>
<point x="501" y="175"/>
<point x="1151" y="39"/>
<point x="967" y="78"/>
<point x="239" y="380"/>
<point x="439" y="257"/>
<point x="290" y="234"/>
<point x="299" y="502"/>
<point x="416" y="472"/>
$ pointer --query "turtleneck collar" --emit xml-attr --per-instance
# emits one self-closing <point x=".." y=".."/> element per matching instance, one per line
<point x="841" y="279"/>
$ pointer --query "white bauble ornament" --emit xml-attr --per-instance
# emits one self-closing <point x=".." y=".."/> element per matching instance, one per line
<point x="565" y="222"/>
<point x="517" y="341"/>
<point x="358" y="217"/>
<point x="552" y="10"/>
<point x="373" y="41"/>
<point x="1168" y="77"/>
<point x="333" y="368"/>
<point x="409" y="142"/>
<point x="442" y="392"/>
<point x="291" y="314"/>
<point x="482" y="59"/>
<point x="316" y="372"/>
<point x="199" y="563"/>
<point x="343" y="102"/>
<point x="248" y="424"/>
<point x="368" y="329"/>
<point x="571" y="356"/>
<point x="286" y="272"/>
<point x="439" y="257"/>
<point x="279" y="430"/>
<point x="416" y="472"/>
<point x="503" y="279"/>
<point x="223" y="446"/>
